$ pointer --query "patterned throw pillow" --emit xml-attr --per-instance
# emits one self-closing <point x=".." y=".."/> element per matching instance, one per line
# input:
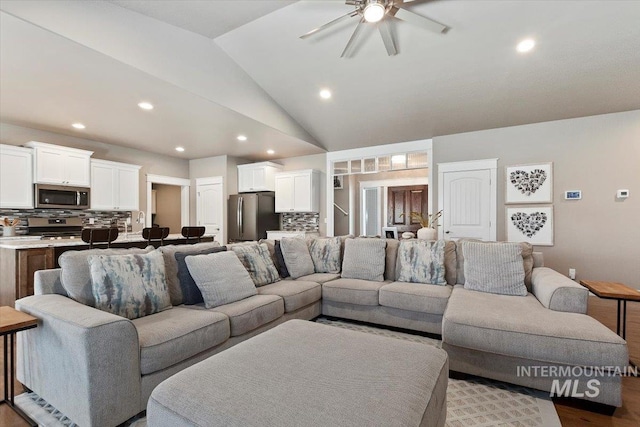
<point x="190" y="292"/>
<point x="130" y="286"/>
<point x="364" y="258"/>
<point x="421" y="261"/>
<point x="496" y="268"/>
<point x="296" y="257"/>
<point x="221" y="278"/>
<point x="257" y="261"/>
<point x="325" y="254"/>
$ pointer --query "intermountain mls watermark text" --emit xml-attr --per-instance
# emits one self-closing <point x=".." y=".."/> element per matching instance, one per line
<point x="576" y="381"/>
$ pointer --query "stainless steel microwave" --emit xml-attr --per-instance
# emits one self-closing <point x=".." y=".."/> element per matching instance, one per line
<point x="61" y="197"/>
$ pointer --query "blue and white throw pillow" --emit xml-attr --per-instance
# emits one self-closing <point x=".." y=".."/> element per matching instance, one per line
<point x="130" y="286"/>
<point x="421" y="261"/>
<point x="325" y="254"/>
<point x="257" y="260"/>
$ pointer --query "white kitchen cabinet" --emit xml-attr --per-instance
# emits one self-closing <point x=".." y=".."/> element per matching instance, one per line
<point x="257" y="177"/>
<point x="298" y="191"/>
<point x="16" y="177"/>
<point x="54" y="164"/>
<point x="114" y="186"/>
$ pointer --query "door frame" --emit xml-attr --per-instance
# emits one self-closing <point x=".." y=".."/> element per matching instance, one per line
<point x="362" y="198"/>
<point x="215" y="180"/>
<point x="184" y="196"/>
<point x="473" y="165"/>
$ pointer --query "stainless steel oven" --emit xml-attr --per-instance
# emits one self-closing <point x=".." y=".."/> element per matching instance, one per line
<point x="61" y="197"/>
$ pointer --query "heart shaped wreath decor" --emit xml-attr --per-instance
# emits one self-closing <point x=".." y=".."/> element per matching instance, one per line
<point x="528" y="183"/>
<point x="529" y="224"/>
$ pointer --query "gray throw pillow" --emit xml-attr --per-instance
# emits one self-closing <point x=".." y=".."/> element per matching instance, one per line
<point x="495" y="268"/>
<point x="257" y="260"/>
<point x="281" y="266"/>
<point x="76" y="271"/>
<point x="421" y="261"/>
<point x="325" y="254"/>
<point x="221" y="278"/>
<point x="296" y="257"/>
<point x="364" y="258"/>
<point x="130" y="286"/>
<point x="171" y="266"/>
<point x="190" y="292"/>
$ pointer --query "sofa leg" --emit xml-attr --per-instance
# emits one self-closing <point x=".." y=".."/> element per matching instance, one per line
<point x="598" y="408"/>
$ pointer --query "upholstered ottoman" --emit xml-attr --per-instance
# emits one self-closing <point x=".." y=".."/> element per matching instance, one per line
<point x="306" y="374"/>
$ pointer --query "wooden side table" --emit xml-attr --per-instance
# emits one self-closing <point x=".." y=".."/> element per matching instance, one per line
<point x="13" y="321"/>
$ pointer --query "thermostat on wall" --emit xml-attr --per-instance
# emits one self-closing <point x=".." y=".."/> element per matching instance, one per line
<point x="573" y="195"/>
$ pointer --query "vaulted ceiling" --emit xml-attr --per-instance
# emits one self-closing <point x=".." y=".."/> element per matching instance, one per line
<point x="215" y="70"/>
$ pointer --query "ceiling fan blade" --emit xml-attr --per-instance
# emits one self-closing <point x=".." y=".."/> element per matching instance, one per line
<point x="328" y="24"/>
<point x="421" y="21"/>
<point x="353" y="38"/>
<point x="385" y="32"/>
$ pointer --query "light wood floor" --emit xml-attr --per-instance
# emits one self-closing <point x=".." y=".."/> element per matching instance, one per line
<point x="603" y="310"/>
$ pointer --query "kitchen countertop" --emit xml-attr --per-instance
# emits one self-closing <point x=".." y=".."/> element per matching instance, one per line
<point x="32" y="242"/>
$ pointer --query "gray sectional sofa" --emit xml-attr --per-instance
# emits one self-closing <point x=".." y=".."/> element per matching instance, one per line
<point x="99" y="368"/>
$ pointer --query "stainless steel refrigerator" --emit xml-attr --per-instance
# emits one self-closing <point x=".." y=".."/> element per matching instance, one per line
<point x="251" y="215"/>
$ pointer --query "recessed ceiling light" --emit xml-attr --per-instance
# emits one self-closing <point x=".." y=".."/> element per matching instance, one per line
<point x="180" y="149"/>
<point x="78" y="126"/>
<point x="325" y="94"/>
<point x="242" y="138"/>
<point x="271" y="152"/>
<point x="525" y="45"/>
<point x="145" y="106"/>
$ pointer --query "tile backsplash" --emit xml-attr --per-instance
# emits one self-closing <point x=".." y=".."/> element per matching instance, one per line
<point x="101" y="218"/>
<point x="301" y="221"/>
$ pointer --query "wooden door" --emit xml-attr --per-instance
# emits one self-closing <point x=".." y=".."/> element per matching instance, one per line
<point x="401" y="201"/>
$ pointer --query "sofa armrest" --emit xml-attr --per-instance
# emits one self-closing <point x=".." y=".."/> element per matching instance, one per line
<point x="83" y="361"/>
<point x="48" y="282"/>
<point x="558" y="292"/>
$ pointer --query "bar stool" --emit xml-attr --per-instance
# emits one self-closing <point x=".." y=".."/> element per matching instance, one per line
<point x="94" y="236"/>
<point x="155" y="234"/>
<point x="194" y="233"/>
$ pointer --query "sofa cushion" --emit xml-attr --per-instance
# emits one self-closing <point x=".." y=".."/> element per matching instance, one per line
<point x="325" y="254"/>
<point x="450" y="262"/>
<point x="319" y="277"/>
<point x="415" y="297"/>
<point x="258" y="262"/>
<point x="131" y="285"/>
<point x="494" y="267"/>
<point x="295" y="293"/>
<point x="527" y="261"/>
<point x="175" y="335"/>
<point x="297" y="257"/>
<point x="522" y="327"/>
<point x="221" y="278"/>
<point x="171" y="266"/>
<point x="421" y="261"/>
<point x="352" y="291"/>
<point x="364" y="258"/>
<point x="190" y="292"/>
<point x="75" y="275"/>
<point x="251" y="313"/>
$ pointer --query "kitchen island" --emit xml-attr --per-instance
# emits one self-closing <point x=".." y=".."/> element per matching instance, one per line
<point x="21" y="257"/>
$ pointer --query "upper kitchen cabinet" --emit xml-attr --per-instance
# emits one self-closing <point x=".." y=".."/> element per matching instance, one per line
<point x="54" y="164"/>
<point x="114" y="186"/>
<point x="257" y="177"/>
<point x="16" y="177"/>
<point x="298" y="191"/>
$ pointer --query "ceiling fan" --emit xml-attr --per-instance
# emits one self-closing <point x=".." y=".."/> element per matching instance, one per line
<point x="380" y="12"/>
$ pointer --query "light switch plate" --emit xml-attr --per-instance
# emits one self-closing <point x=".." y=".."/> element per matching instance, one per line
<point x="573" y="195"/>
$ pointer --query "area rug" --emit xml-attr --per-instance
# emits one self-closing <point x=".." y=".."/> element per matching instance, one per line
<point x="476" y="402"/>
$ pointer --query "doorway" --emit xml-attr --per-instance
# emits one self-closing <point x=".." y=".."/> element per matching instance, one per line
<point x="182" y="183"/>
<point x="210" y="206"/>
<point x="402" y="202"/>
<point x="165" y="207"/>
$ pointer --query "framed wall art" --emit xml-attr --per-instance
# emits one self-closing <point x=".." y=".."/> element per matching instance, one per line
<point x="529" y="183"/>
<point x="530" y="224"/>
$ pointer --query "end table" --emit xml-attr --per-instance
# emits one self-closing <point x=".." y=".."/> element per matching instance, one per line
<point x="11" y="322"/>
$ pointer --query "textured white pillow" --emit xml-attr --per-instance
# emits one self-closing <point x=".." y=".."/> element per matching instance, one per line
<point x="496" y="268"/>
<point x="364" y="259"/>
<point x="296" y="257"/>
<point x="221" y="278"/>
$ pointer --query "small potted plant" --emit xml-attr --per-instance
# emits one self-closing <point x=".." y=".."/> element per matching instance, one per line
<point x="428" y="223"/>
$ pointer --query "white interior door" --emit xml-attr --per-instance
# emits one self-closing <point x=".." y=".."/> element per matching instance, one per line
<point x="468" y="204"/>
<point x="210" y="205"/>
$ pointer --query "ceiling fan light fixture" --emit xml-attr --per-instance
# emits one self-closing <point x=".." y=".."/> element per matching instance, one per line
<point x="374" y="11"/>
